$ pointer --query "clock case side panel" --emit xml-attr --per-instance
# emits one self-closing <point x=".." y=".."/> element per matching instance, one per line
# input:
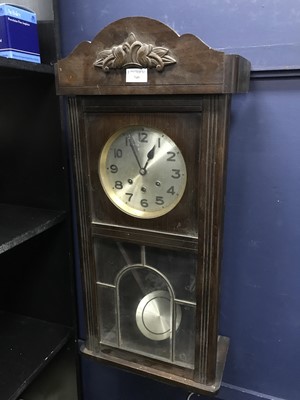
<point x="87" y="267"/>
<point x="211" y="348"/>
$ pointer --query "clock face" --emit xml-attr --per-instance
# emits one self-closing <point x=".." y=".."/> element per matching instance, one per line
<point x="142" y="171"/>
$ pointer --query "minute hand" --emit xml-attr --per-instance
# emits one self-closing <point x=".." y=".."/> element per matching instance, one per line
<point x="134" y="150"/>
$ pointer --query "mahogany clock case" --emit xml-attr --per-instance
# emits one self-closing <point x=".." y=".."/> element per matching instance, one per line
<point x="151" y="285"/>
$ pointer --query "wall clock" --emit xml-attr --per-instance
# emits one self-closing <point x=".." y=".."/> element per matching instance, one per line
<point x="149" y="113"/>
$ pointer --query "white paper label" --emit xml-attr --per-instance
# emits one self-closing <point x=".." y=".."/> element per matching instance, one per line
<point x="134" y="75"/>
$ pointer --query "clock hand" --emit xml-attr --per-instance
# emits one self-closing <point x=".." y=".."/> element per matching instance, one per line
<point x="150" y="156"/>
<point x="134" y="150"/>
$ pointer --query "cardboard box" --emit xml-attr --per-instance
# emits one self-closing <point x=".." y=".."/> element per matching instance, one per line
<point x="18" y="33"/>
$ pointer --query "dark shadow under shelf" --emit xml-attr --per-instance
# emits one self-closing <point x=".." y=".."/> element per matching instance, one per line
<point x="18" y="224"/>
<point x="26" y="346"/>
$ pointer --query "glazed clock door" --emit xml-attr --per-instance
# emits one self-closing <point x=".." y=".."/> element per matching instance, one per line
<point x="143" y="166"/>
<point x="147" y="300"/>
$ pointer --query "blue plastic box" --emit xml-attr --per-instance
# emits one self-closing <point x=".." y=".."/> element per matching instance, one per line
<point x="18" y="33"/>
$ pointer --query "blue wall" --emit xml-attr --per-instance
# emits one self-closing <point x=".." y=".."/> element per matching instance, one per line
<point x="260" y="292"/>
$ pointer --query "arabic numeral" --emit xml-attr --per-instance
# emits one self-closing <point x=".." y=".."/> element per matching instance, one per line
<point x="172" y="156"/>
<point x="159" y="200"/>
<point x="129" y="196"/>
<point x="176" y="174"/>
<point x="143" y="137"/>
<point x="144" y="203"/>
<point x="118" y="153"/>
<point x="171" y="190"/>
<point x="113" y="169"/>
<point x="118" y="185"/>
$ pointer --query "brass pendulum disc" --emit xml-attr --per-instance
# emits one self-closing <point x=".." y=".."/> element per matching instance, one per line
<point x="153" y="315"/>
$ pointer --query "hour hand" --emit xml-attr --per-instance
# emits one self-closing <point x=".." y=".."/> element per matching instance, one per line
<point x="150" y="156"/>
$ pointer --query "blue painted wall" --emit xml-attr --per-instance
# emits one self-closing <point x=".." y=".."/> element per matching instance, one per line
<point x="260" y="292"/>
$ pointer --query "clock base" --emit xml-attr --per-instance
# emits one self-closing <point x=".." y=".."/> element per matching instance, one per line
<point x="112" y="356"/>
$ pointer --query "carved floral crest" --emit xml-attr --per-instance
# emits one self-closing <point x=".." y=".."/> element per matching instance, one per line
<point x="134" y="54"/>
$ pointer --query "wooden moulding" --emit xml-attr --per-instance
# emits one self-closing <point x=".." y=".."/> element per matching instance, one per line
<point x="176" y="64"/>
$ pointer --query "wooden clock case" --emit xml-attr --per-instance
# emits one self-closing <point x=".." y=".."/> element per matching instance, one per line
<point x="187" y="95"/>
